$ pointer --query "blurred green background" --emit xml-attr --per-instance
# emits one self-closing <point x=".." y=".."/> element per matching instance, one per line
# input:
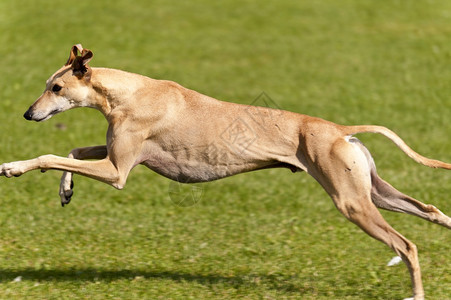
<point x="264" y="235"/>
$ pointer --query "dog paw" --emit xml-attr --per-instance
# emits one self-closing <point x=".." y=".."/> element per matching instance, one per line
<point x="66" y="195"/>
<point x="11" y="169"/>
<point x="66" y="188"/>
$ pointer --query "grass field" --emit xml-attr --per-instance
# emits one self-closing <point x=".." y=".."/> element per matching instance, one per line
<point x="265" y="235"/>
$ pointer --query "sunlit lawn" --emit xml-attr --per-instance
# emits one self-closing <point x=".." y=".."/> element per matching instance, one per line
<point x="265" y="235"/>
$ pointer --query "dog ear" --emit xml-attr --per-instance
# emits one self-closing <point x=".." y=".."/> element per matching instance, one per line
<point x="73" y="53"/>
<point x="86" y="56"/>
<point x="80" y="64"/>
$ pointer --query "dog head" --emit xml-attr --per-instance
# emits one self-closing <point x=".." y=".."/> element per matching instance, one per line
<point x="67" y="88"/>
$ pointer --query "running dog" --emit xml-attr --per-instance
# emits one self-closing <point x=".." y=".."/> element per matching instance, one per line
<point x="170" y="129"/>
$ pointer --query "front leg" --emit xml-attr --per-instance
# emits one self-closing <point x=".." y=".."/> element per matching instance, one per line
<point x="66" y="185"/>
<point x="121" y="155"/>
<point x="103" y="170"/>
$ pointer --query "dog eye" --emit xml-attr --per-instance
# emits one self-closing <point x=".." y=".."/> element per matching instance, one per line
<point x="56" y="88"/>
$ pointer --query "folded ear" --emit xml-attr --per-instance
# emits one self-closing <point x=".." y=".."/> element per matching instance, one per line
<point x="86" y="55"/>
<point x="73" y="53"/>
<point x="80" y="63"/>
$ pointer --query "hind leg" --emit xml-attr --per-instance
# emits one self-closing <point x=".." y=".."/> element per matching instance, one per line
<point x="387" y="197"/>
<point x="364" y="214"/>
<point x="345" y="174"/>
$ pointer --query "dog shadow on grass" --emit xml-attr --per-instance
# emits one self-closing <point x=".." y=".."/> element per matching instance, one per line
<point x="277" y="282"/>
<point x="285" y="284"/>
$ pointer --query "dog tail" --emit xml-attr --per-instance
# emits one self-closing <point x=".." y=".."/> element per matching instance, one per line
<point x="350" y="130"/>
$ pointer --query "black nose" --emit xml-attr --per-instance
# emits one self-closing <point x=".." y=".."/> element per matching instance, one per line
<point x="27" y="115"/>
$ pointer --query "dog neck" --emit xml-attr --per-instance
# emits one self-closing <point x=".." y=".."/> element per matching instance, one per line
<point x="113" y="88"/>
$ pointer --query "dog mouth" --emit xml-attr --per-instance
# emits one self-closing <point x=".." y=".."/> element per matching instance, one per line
<point x="32" y="117"/>
<point x="51" y="114"/>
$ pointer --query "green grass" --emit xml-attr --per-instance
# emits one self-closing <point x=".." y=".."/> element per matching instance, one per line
<point x="264" y="235"/>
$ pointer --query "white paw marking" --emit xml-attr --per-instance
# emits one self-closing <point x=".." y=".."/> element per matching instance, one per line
<point x="394" y="261"/>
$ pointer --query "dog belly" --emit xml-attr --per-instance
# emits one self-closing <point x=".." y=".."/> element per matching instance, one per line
<point x="195" y="171"/>
<point x="200" y="164"/>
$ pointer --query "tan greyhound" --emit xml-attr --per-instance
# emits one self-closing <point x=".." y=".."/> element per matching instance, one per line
<point x="190" y="137"/>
